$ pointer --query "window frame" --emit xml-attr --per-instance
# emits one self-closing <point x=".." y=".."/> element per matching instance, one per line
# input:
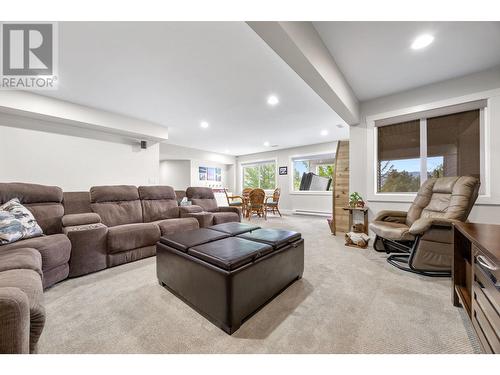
<point x="484" y="131"/>
<point x="291" y="170"/>
<point x="259" y="162"/>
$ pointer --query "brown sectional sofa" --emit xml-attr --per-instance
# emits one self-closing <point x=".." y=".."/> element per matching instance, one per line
<point x="84" y="232"/>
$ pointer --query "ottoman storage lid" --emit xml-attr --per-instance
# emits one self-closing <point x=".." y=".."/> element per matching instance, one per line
<point x="230" y="253"/>
<point x="274" y="237"/>
<point x="184" y="240"/>
<point x="234" y="228"/>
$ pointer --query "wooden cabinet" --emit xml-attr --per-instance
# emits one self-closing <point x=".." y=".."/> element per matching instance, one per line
<point x="476" y="279"/>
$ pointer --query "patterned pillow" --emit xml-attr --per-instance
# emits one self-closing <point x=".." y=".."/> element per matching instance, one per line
<point x="17" y="223"/>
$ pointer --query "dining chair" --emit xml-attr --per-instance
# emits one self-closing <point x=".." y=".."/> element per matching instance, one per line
<point x="273" y="204"/>
<point x="235" y="201"/>
<point x="256" y="203"/>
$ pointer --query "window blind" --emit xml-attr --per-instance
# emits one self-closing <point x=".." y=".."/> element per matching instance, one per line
<point x="452" y="109"/>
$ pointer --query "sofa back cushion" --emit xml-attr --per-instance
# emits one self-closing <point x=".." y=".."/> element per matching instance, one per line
<point x="116" y="205"/>
<point x="203" y="197"/>
<point x="444" y="197"/>
<point x="158" y="203"/>
<point x="43" y="201"/>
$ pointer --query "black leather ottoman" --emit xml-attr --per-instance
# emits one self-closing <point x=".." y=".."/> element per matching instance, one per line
<point x="228" y="278"/>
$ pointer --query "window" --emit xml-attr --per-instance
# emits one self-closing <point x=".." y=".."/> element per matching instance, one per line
<point x="260" y="175"/>
<point x="399" y="157"/>
<point x="412" y="151"/>
<point x="313" y="173"/>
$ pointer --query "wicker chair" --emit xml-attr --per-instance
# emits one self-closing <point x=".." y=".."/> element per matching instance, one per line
<point x="273" y="205"/>
<point x="235" y="201"/>
<point x="256" y="203"/>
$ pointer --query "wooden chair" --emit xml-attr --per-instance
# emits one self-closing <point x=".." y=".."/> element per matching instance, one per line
<point x="232" y="201"/>
<point x="246" y="198"/>
<point x="256" y="203"/>
<point x="273" y="205"/>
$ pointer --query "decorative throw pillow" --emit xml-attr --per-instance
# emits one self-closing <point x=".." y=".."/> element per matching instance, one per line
<point x="17" y="223"/>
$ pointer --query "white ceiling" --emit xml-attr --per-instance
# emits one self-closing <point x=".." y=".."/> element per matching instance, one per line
<point x="181" y="73"/>
<point x="376" y="58"/>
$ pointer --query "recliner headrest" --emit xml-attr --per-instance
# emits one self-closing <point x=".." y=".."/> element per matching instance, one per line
<point x="156" y="192"/>
<point x="113" y="193"/>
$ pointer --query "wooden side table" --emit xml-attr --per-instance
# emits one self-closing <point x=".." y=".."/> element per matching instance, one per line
<point x="365" y="216"/>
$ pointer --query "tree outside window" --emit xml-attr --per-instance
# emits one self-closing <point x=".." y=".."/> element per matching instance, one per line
<point x="262" y="175"/>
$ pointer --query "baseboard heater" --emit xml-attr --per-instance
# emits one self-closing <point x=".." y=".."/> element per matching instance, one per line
<point x="312" y="213"/>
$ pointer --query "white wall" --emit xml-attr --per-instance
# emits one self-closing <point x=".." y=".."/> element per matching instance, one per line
<point x="73" y="163"/>
<point x="190" y="159"/>
<point x="483" y="85"/>
<point x="175" y="173"/>
<point x="309" y="201"/>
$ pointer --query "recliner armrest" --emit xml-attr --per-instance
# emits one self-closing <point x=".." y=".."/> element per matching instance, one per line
<point x="421" y="225"/>
<point x="390" y="215"/>
<point x="72" y="220"/>
<point x="14" y="321"/>
<point x="190" y="209"/>
<point x="230" y="209"/>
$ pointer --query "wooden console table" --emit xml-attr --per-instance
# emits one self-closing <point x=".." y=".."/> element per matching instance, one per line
<point x="476" y="279"/>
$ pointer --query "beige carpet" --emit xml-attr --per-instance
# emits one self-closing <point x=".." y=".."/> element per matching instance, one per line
<point x="348" y="301"/>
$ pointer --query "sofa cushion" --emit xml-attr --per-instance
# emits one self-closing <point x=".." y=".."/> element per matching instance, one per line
<point x="203" y="197"/>
<point x="116" y="205"/>
<point x="30" y="283"/>
<point x="17" y="222"/>
<point x="158" y="203"/>
<point x="172" y="226"/>
<point x="392" y="230"/>
<point x="22" y="258"/>
<point x="43" y="201"/>
<point x="55" y="249"/>
<point x="225" y="217"/>
<point x="132" y="236"/>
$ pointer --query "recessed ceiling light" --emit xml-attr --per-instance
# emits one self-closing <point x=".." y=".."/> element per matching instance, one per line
<point x="324" y="132"/>
<point x="266" y="143"/>
<point x="422" y="41"/>
<point x="226" y="151"/>
<point x="273" y="100"/>
<point x="204" y="124"/>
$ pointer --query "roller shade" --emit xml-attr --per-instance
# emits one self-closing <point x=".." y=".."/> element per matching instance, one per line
<point x="468" y="106"/>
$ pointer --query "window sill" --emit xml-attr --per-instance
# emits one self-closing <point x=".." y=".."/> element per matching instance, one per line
<point x="324" y="193"/>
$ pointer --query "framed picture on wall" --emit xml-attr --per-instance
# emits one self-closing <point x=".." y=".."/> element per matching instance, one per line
<point x="211" y="174"/>
<point x="202" y="173"/>
<point x="283" y="171"/>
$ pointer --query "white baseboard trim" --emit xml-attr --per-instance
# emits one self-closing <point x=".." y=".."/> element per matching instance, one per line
<point x="312" y="213"/>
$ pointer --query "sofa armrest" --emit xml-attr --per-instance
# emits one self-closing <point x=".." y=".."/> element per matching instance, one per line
<point x="72" y="220"/>
<point x="390" y="215"/>
<point x="189" y="209"/>
<point x="421" y="225"/>
<point x="14" y="321"/>
<point x="88" y="248"/>
<point x="230" y="209"/>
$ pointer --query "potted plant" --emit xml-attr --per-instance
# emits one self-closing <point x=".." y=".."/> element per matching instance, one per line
<point x="356" y="200"/>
